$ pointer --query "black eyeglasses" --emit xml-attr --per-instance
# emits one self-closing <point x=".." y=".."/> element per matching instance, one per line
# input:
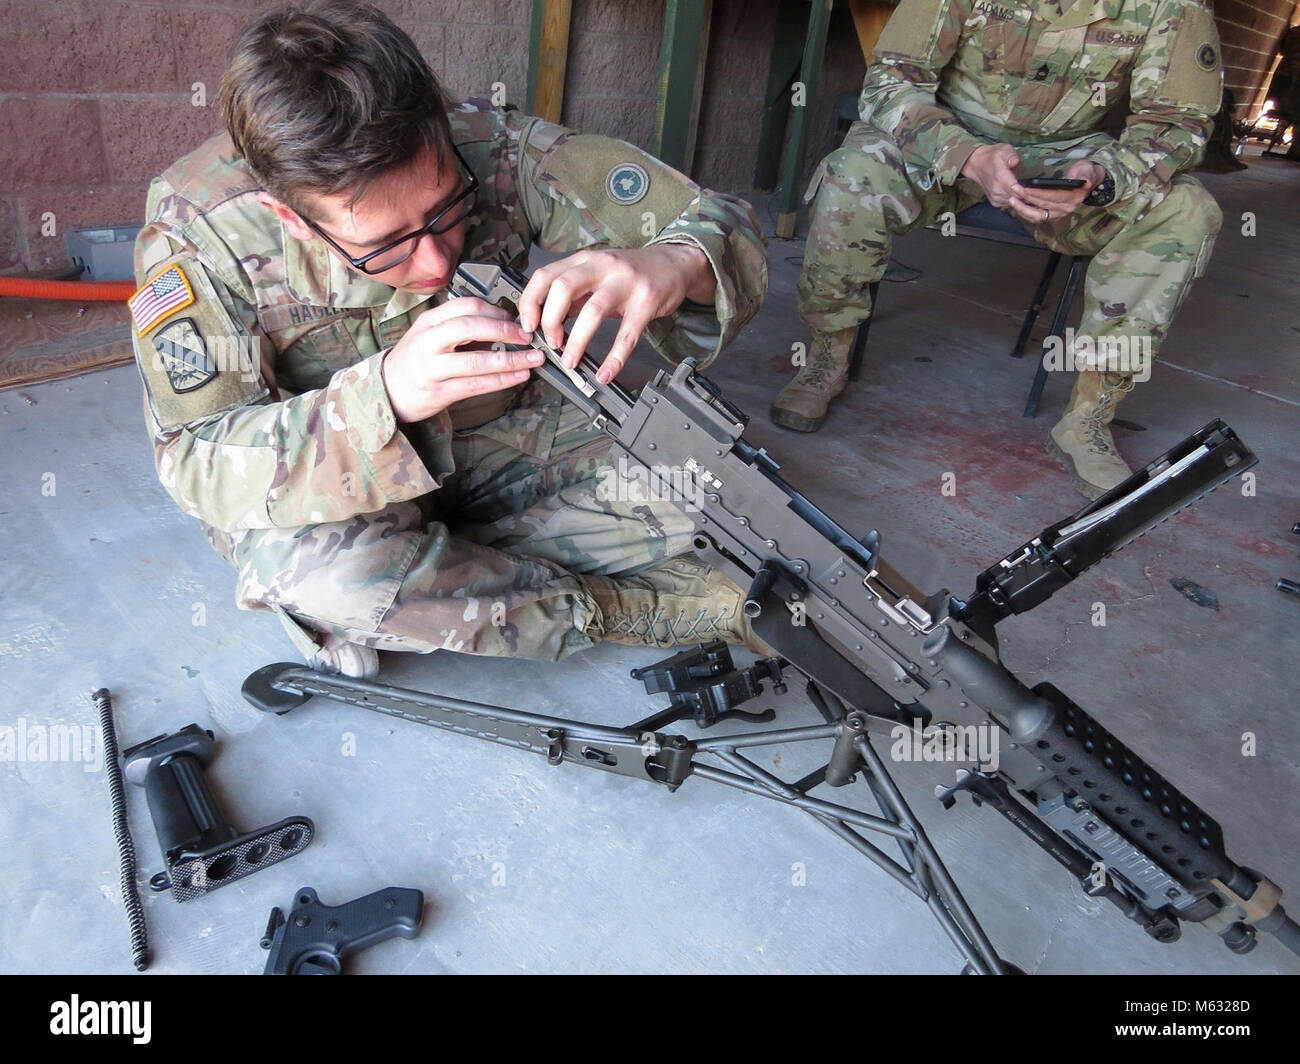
<point x="398" y="251"/>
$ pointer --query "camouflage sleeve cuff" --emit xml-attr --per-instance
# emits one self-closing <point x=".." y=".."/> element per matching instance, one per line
<point x="324" y="455"/>
<point x="733" y="243"/>
<point x="371" y="423"/>
<point x="1126" y="169"/>
<point x="1150" y="153"/>
<point x="395" y="469"/>
<point x="956" y="150"/>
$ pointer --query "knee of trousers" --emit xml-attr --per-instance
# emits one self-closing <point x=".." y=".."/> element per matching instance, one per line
<point x="344" y="574"/>
<point x="858" y="184"/>
<point x="1190" y="209"/>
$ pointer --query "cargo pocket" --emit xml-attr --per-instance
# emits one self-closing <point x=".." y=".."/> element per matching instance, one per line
<point x="1199" y="267"/>
<point x="810" y="193"/>
<point x="1203" y="256"/>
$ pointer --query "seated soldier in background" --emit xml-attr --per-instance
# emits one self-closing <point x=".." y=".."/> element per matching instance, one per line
<point x="383" y="473"/>
<point x="967" y="98"/>
<point x="1284" y="93"/>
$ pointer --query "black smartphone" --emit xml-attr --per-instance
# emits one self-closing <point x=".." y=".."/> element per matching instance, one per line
<point x="1054" y="182"/>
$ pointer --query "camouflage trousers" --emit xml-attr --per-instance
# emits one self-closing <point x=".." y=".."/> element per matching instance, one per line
<point x="1139" y="276"/>
<point x="483" y="565"/>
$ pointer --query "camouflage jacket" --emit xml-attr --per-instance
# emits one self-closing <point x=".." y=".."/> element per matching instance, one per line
<point x="950" y="75"/>
<point x="260" y="354"/>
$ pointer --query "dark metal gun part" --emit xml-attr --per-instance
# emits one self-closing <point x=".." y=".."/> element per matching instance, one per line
<point x="704" y="683"/>
<point x="640" y="753"/>
<point x="670" y="759"/>
<point x="1062" y="552"/>
<point x="1131" y="795"/>
<point x="315" y="938"/>
<point x="877" y="651"/>
<point x="1092" y="875"/>
<point x="501" y="286"/>
<point x="201" y="848"/>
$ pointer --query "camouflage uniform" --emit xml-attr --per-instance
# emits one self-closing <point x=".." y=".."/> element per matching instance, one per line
<point x="461" y="532"/>
<point x="951" y="75"/>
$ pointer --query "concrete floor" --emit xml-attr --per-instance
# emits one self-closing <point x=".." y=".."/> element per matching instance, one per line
<point x="540" y="869"/>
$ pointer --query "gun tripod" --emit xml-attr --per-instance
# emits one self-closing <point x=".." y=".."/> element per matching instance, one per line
<point x="704" y="684"/>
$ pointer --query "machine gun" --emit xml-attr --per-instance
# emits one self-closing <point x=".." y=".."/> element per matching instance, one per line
<point x="878" y="655"/>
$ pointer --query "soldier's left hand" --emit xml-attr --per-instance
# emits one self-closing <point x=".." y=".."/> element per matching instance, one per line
<point x="1045" y="204"/>
<point x="634" y="284"/>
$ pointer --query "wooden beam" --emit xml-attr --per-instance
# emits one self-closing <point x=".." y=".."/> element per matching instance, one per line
<point x="782" y="67"/>
<point x="810" y="76"/>
<point x="869" y="18"/>
<point x="681" y="81"/>
<point x="548" y="56"/>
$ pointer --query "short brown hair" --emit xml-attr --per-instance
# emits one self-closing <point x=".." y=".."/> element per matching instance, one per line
<point x="325" y="97"/>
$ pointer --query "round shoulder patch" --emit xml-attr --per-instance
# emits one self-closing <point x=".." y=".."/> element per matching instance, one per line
<point x="1207" y="57"/>
<point x="627" y="183"/>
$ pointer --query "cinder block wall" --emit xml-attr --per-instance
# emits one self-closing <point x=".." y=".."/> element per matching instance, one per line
<point x="613" y="67"/>
<point x="98" y="96"/>
<point x="1250" y="31"/>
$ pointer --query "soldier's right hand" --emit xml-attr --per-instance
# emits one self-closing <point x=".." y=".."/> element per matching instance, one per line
<point x="426" y="371"/>
<point x="993" y="167"/>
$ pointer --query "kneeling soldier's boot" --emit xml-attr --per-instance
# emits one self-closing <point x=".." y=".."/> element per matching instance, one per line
<point x="676" y="602"/>
<point x="803" y="402"/>
<point x="1082" y="439"/>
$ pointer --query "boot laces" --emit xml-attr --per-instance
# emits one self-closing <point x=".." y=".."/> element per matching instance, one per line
<point x="658" y="628"/>
<point x="821" y="366"/>
<point x="1097" y="423"/>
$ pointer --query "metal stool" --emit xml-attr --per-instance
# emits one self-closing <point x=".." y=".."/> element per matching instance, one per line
<point x="987" y="222"/>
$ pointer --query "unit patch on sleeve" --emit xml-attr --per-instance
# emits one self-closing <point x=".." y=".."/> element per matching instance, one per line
<point x="184" y="356"/>
<point x="160" y="298"/>
<point x="627" y="183"/>
<point x="200" y="362"/>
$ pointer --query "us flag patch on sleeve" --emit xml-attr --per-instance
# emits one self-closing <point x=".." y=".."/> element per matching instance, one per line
<point x="160" y="298"/>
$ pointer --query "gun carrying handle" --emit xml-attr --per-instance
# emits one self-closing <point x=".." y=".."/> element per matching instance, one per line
<point x="990" y="685"/>
<point x="186" y="813"/>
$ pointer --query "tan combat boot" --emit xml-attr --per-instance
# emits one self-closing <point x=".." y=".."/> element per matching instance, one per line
<point x="676" y="602"/>
<point x="803" y="402"/>
<point x="1082" y="440"/>
<point x="337" y="655"/>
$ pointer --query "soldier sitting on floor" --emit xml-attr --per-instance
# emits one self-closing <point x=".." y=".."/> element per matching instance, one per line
<point x="381" y="469"/>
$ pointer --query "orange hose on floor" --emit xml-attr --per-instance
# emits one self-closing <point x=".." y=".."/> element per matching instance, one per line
<point x="107" y="291"/>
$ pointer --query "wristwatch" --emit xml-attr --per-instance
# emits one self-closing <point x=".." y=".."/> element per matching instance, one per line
<point x="1101" y="193"/>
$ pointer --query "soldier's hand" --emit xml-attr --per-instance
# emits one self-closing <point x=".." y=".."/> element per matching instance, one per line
<point x="426" y="371"/>
<point x="1046" y="204"/>
<point x="993" y="168"/>
<point x="635" y="284"/>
